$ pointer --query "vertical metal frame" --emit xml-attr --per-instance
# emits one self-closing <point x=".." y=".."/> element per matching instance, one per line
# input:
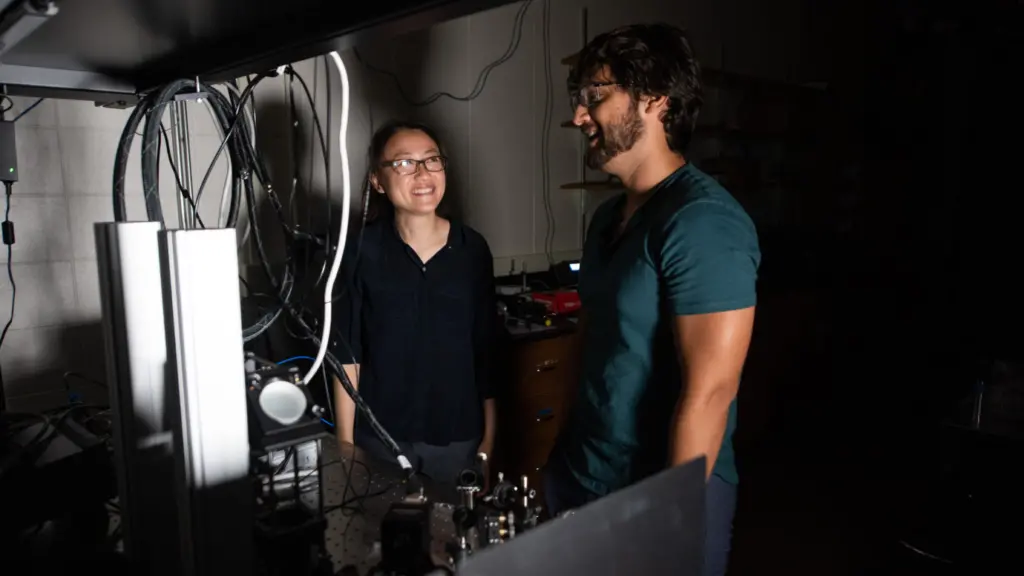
<point x="136" y="350"/>
<point x="206" y="360"/>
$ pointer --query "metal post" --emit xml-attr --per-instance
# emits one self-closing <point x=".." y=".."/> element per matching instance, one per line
<point x="206" y="361"/>
<point x="181" y="151"/>
<point x="133" y="326"/>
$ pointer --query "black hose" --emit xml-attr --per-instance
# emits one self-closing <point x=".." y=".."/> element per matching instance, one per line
<point x="332" y="362"/>
<point x="124" y="146"/>
<point x="222" y="109"/>
<point x="153" y="107"/>
<point x="151" y="134"/>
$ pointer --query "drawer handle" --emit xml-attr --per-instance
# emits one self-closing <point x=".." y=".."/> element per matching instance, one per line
<point x="547" y="365"/>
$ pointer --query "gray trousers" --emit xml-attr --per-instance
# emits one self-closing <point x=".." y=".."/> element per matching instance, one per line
<point x="439" y="463"/>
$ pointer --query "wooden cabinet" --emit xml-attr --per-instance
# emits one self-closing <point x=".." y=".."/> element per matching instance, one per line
<point x="534" y="403"/>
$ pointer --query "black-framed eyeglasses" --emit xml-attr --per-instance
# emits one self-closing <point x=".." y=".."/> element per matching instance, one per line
<point x="589" y="95"/>
<point x="409" y="166"/>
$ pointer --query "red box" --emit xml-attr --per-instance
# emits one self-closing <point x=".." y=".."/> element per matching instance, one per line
<point x="560" y="302"/>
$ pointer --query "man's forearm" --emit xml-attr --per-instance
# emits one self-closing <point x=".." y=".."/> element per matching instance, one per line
<point x="490" y="426"/>
<point x="344" y="407"/>
<point x="699" y="426"/>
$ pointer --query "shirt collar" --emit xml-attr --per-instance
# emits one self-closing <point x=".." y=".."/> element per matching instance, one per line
<point x="456" y="234"/>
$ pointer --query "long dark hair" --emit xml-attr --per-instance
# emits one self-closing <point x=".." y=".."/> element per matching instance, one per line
<point x="377" y="205"/>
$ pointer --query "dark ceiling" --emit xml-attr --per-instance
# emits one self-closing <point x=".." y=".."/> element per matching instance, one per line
<point x="106" y="49"/>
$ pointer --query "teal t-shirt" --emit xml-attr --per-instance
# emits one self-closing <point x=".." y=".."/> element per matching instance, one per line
<point x="690" y="249"/>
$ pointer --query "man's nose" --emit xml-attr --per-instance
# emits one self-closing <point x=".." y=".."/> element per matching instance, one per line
<point x="581" y="115"/>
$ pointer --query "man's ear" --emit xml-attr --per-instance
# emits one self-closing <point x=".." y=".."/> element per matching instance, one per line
<point x="656" y="104"/>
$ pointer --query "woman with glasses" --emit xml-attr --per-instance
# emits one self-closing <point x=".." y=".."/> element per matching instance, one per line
<point x="417" y="321"/>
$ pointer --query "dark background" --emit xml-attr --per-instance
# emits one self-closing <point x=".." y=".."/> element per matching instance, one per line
<point x="876" y="319"/>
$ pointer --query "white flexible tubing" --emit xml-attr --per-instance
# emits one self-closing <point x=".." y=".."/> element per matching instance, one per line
<point x="346" y="199"/>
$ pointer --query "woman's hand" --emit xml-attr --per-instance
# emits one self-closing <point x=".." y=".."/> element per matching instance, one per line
<point x="483" y="455"/>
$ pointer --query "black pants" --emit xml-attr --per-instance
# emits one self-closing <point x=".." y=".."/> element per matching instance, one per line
<point x="439" y="463"/>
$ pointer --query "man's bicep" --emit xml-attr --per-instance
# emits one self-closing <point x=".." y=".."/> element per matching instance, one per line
<point x="713" y="347"/>
<point x="708" y="261"/>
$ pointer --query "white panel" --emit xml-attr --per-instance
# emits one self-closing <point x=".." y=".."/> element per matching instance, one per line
<point x="39" y="161"/>
<point x="200" y="271"/>
<point x="135" y="336"/>
<point x="133" y="304"/>
<point x="40" y="229"/>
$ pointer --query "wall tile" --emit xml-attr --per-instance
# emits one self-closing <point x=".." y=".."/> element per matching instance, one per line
<point x="45" y="294"/>
<point x="84" y="114"/>
<point x="39" y="166"/>
<point x="86" y="211"/>
<point x="87" y="158"/>
<point x="41" y="229"/>
<point x="87" y="291"/>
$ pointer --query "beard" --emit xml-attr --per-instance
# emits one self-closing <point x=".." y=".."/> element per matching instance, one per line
<point x="614" y="139"/>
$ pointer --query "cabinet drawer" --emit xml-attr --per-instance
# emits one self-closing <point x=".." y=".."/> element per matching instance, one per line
<point x="554" y="382"/>
<point x="536" y="412"/>
<point x="535" y="435"/>
<point x="546" y="366"/>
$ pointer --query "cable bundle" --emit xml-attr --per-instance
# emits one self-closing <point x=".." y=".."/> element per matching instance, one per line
<point x="245" y="164"/>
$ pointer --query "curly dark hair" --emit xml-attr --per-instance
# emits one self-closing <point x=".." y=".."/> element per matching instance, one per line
<point x="651" y="60"/>
<point x="377" y="205"/>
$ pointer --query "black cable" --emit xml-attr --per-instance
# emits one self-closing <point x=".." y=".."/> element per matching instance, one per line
<point x="9" y="188"/>
<point x="325" y="151"/>
<point x="294" y="122"/>
<point x="549" y="235"/>
<point x="26" y="110"/>
<point x="360" y="497"/>
<point x="177" y="176"/>
<point x="292" y="76"/>
<point x="84" y="378"/>
<point x="246" y="94"/>
<point x="367" y="190"/>
<point x="517" y="33"/>
<point x="333" y="362"/>
<point x="124" y="146"/>
<point x="151" y="133"/>
<point x="289" y="454"/>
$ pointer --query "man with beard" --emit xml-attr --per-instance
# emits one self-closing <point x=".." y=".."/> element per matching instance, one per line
<point x="667" y="282"/>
